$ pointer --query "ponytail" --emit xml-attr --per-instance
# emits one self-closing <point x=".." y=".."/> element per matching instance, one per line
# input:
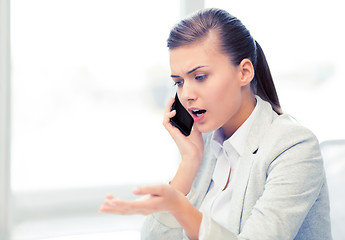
<point x="262" y="83"/>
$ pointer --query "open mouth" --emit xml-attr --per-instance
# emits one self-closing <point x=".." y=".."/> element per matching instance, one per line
<point x="198" y="113"/>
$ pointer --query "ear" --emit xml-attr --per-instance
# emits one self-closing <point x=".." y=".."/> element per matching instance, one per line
<point x="247" y="71"/>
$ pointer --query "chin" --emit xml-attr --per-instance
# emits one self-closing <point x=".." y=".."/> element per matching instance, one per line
<point x="204" y="128"/>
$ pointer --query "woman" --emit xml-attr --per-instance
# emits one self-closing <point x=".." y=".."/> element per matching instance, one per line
<point x="248" y="171"/>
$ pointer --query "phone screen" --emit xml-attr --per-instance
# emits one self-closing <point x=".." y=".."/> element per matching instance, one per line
<point x="182" y="120"/>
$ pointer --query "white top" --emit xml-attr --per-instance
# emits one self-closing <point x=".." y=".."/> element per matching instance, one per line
<point x="227" y="152"/>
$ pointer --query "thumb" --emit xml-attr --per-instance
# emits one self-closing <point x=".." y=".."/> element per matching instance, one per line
<point x="154" y="190"/>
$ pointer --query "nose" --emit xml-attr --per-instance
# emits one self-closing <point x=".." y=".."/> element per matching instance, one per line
<point x="188" y="93"/>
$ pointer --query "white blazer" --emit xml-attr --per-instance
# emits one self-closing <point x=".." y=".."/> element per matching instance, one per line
<point x="280" y="192"/>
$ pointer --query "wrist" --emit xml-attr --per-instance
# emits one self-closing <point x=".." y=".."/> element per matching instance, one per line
<point x="188" y="216"/>
<point x="184" y="177"/>
<point x="194" y="159"/>
<point x="190" y="166"/>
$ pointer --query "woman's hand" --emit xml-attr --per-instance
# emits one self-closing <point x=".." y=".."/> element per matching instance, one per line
<point x="158" y="198"/>
<point x="191" y="149"/>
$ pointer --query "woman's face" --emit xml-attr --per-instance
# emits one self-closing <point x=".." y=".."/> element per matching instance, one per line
<point x="209" y="86"/>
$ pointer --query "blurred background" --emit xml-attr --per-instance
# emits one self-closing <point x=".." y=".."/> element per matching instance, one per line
<point x="84" y="84"/>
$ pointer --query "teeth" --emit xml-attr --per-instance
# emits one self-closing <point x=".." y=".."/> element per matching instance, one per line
<point x="198" y="113"/>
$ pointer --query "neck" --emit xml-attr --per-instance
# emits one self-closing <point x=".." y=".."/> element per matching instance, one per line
<point x="244" y="111"/>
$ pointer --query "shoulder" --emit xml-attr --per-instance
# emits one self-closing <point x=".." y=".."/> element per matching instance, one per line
<point x="285" y="128"/>
<point x="273" y="134"/>
<point x="285" y="131"/>
<point x="282" y="129"/>
<point x="282" y="136"/>
<point x="287" y="143"/>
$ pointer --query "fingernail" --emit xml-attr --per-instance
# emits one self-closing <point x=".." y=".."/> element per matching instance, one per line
<point x="101" y="209"/>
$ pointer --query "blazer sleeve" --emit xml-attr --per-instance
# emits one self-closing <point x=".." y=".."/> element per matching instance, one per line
<point x="159" y="226"/>
<point x="163" y="225"/>
<point x="294" y="177"/>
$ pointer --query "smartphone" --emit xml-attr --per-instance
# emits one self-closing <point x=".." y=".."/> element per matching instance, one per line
<point x="182" y="120"/>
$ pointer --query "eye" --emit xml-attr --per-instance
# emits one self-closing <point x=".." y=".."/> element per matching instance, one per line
<point x="201" y="77"/>
<point x="178" y="83"/>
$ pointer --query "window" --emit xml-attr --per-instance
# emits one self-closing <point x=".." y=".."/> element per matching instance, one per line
<point x="90" y="80"/>
<point x="89" y="83"/>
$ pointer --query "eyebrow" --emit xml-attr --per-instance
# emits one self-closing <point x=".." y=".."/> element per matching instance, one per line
<point x="189" y="72"/>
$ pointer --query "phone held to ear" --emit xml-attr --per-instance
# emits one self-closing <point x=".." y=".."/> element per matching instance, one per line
<point x="182" y="120"/>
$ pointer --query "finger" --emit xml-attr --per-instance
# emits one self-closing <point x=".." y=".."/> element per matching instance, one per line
<point x="169" y="105"/>
<point x="110" y="197"/>
<point x="174" y="131"/>
<point x="167" y="117"/>
<point x="167" y="124"/>
<point x="153" y="190"/>
<point x="143" y="197"/>
<point x="114" y="209"/>
<point x="110" y="201"/>
<point x="124" y="210"/>
<point x="168" y="113"/>
<point x="131" y="207"/>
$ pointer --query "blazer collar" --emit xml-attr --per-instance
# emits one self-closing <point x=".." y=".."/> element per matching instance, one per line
<point x="262" y="120"/>
<point x="261" y="123"/>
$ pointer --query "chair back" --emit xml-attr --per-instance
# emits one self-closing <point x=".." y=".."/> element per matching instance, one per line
<point x="333" y="152"/>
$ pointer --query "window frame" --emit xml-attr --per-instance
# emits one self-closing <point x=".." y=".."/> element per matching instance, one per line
<point x="5" y="199"/>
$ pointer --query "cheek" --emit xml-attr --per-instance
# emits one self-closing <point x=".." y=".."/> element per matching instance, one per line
<point x="224" y="92"/>
<point x="225" y="100"/>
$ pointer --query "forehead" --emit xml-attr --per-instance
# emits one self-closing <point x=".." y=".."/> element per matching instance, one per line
<point x="202" y="52"/>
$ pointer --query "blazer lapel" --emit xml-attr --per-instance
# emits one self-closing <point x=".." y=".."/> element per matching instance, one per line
<point x="204" y="178"/>
<point x="263" y="118"/>
<point x="239" y="191"/>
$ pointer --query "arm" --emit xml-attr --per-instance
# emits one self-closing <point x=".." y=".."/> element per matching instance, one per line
<point x="191" y="149"/>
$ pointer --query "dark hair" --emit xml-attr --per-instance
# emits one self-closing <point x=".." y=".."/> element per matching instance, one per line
<point x="236" y="41"/>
